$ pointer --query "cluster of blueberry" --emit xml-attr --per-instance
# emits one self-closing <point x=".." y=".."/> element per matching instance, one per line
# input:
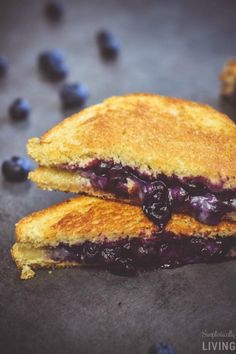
<point x="160" y="195"/>
<point x="52" y="65"/>
<point x="124" y="257"/>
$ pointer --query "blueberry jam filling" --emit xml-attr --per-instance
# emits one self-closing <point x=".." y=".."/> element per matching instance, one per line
<point x="125" y="256"/>
<point x="156" y="203"/>
<point x="160" y="196"/>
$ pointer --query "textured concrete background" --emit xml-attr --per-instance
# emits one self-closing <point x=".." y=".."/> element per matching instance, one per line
<point x="169" y="47"/>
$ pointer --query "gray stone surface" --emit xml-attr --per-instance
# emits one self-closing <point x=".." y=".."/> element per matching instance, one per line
<point x="169" y="47"/>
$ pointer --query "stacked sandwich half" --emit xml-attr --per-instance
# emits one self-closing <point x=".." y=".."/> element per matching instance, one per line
<point x="158" y="182"/>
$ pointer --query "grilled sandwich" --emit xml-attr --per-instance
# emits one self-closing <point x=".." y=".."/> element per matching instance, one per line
<point x="88" y="231"/>
<point x="164" y="154"/>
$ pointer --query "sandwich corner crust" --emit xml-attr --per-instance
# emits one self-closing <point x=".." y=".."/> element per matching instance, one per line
<point x="28" y="259"/>
<point x="49" y="178"/>
<point x="149" y="132"/>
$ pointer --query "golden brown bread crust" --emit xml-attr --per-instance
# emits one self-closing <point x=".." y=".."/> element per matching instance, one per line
<point x="150" y="132"/>
<point x="28" y="258"/>
<point x="86" y="218"/>
<point x="35" y="258"/>
<point x="50" y="178"/>
<point x="80" y="219"/>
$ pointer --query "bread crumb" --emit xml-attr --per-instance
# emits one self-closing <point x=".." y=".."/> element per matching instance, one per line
<point x="49" y="272"/>
<point x="27" y="273"/>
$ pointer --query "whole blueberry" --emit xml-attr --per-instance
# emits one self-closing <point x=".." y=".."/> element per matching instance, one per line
<point x="54" y="10"/>
<point x="16" y="169"/>
<point x="156" y="203"/>
<point x="104" y="36"/>
<point x="52" y="64"/>
<point x="19" y="109"/>
<point x="161" y="349"/>
<point x="158" y="189"/>
<point x="3" y="66"/>
<point x="108" y="44"/>
<point x="110" y="50"/>
<point x="74" y="95"/>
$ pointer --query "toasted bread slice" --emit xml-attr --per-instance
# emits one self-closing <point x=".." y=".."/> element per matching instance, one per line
<point x="28" y="258"/>
<point x="80" y="219"/>
<point x="49" y="178"/>
<point x="76" y="222"/>
<point x="151" y="133"/>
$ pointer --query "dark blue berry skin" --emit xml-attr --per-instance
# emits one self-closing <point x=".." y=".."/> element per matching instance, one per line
<point x="74" y="95"/>
<point x="52" y="65"/>
<point x="108" y="45"/>
<point x="16" y="169"/>
<point x="110" y="50"/>
<point x="104" y="36"/>
<point x="156" y="203"/>
<point x="3" y="66"/>
<point x="161" y="349"/>
<point x="19" y="109"/>
<point x="54" y="10"/>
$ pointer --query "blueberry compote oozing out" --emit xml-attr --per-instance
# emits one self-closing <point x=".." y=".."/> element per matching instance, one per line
<point x="125" y="256"/>
<point x="160" y="195"/>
